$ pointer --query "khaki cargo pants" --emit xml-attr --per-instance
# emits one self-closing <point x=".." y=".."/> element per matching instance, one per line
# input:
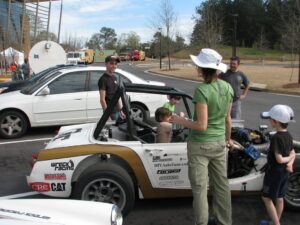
<point x="208" y="159"/>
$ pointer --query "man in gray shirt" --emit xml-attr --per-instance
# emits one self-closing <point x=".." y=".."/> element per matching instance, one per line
<point x="236" y="78"/>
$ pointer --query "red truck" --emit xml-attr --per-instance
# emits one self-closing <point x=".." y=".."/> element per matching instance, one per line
<point x="138" y="55"/>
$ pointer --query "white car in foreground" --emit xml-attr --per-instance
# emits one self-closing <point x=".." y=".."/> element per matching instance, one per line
<point x="58" y="212"/>
<point x="68" y="96"/>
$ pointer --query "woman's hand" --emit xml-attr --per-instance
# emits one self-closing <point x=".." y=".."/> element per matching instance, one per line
<point x="230" y="144"/>
<point x="176" y="119"/>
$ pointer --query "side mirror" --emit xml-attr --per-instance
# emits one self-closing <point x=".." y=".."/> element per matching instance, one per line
<point x="45" y="91"/>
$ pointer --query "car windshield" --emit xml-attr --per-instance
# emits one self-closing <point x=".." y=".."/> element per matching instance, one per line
<point x="36" y="84"/>
<point x="40" y="74"/>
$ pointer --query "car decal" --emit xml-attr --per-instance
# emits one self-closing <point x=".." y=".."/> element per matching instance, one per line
<point x="123" y="152"/>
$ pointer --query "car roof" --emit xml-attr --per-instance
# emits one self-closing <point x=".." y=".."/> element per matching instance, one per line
<point x="129" y="75"/>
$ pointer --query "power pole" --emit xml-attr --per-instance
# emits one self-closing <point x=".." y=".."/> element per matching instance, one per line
<point x="59" y="26"/>
<point x="160" y="46"/>
<point x="36" y="18"/>
<point x="235" y="16"/>
<point x="8" y="33"/>
<point x="49" y="13"/>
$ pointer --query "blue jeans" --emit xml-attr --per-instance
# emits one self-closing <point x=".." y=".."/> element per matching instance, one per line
<point x="115" y="115"/>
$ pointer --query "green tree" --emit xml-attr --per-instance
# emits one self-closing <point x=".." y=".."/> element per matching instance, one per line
<point x="166" y="19"/>
<point x="108" y="38"/>
<point x="94" y="42"/>
<point x="133" y="40"/>
<point x="208" y="27"/>
<point x="179" y="43"/>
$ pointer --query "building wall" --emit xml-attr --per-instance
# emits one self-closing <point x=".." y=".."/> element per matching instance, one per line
<point x="11" y="34"/>
<point x="19" y="34"/>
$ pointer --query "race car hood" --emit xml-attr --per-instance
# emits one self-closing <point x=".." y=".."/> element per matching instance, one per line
<point x="73" y="135"/>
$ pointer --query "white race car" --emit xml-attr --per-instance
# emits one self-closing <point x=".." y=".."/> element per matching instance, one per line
<point x="120" y="161"/>
<point x="58" y="212"/>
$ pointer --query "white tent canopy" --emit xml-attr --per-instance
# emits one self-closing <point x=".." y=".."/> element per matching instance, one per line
<point x="9" y="55"/>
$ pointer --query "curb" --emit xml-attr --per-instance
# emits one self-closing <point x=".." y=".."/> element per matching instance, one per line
<point x="253" y="86"/>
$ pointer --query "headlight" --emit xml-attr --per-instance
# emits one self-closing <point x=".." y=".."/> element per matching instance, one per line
<point x="116" y="216"/>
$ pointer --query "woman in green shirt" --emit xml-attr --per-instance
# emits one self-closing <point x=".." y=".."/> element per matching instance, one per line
<point x="210" y="129"/>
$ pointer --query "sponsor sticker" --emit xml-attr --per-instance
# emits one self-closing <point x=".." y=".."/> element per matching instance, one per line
<point x="159" y="159"/>
<point x="58" y="186"/>
<point x="168" y="171"/>
<point x="67" y="135"/>
<point x="40" y="186"/>
<point x="55" y="176"/>
<point x="62" y="166"/>
<point x="24" y="213"/>
<point x="171" y="177"/>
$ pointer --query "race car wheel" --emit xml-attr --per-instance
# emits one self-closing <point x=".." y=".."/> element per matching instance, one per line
<point x="13" y="124"/>
<point x="107" y="183"/>
<point x="292" y="198"/>
<point x="138" y="112"/>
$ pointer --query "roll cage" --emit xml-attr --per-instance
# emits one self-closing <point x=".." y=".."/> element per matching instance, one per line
<point x="129" y="121"/>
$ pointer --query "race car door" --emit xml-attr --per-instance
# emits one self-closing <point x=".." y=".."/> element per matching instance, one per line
<point x="167" y="165"/>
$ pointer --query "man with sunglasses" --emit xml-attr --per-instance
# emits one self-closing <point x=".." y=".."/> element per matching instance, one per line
<point x="108" y="85"/>
<point x="236" y="78"/>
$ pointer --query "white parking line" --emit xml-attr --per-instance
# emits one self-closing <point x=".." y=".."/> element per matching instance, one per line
<point x="23" y="141"/>
<point x="22" y="195"/>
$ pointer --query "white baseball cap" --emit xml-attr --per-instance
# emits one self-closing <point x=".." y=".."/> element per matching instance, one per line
<point x="281" y="113"/>
<point x="209" y="58"/>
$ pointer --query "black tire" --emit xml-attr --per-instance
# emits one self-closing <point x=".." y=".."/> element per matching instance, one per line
<point x="13" y="124"/>
<point x="138" y="112"/>
<point x="292" y="198"/>
<point x="107" y="183"/>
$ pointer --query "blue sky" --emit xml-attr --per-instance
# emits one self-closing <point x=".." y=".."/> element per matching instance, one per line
<point x="82" y="18"/>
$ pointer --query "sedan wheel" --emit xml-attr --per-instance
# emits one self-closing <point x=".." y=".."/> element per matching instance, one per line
<point x="12" y="124"/>
<point x="292" y="197"/>
<point x="138" y="112"/>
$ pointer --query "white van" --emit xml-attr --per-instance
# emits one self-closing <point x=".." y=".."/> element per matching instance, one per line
<point x="75" y="58"/>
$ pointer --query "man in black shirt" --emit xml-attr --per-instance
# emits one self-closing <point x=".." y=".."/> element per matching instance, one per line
<point x="108" y="85"/>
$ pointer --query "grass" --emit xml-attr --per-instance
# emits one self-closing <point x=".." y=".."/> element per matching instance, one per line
<point x="243" y="53"/>
<point x="276" y="69"/>
<point x="280" y="77"/>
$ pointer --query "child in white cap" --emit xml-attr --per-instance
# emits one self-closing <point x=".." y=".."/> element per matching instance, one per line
<point x="281" y="156"/>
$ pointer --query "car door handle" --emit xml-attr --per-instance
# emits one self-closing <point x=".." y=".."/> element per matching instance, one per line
<point x="78" y="99"/>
